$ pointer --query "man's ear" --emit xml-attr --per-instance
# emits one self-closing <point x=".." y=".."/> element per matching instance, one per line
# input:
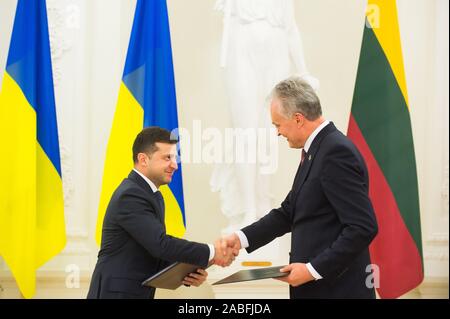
<point x="299" y="118"/>
<point x="141" y="158"/>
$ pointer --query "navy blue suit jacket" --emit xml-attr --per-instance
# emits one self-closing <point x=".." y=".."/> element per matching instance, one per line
<point x="330" y="216"/>
<point x="135" y="244"/>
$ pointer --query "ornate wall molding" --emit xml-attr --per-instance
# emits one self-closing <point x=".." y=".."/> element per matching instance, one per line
<point x="77" y="233"/>
<point x="77" y="242"/>
<point x="438" y="239"/>
<point x="444" y="194"/>
<point x="439" y="256"/>
<point x="67" y="175"/>
<point x="74" y="248"/>
<point x="436" y="242"/>
<point x="60" y="41"/>
<point x="441" y="91"/>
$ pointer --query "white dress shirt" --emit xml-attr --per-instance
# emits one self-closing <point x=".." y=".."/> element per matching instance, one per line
<point x="241" y="235"/>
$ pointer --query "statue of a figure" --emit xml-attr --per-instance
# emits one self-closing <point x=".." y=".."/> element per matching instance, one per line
<point x="261" y="46"/>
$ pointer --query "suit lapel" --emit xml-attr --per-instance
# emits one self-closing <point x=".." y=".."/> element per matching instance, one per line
<point x="142" y="183"/>
<point x="303" y="170"/>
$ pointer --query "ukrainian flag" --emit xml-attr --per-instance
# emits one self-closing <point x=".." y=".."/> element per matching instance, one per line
<point x="32" y="226"/>
<point x="146" y="98"/>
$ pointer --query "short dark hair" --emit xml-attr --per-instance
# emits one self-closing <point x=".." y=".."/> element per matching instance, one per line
<point x="146" y="140"/>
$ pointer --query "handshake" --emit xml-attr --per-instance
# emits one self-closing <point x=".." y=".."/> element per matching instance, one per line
<point x="226" y="250"/>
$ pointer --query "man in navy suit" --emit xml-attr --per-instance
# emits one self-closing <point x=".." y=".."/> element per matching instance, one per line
<point x="328" y="210"/>
<point x="134" y="241"/>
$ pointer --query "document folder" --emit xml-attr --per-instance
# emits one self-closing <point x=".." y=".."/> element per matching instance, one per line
<point x="171" y="277"/>
<point x="253" y="274"/>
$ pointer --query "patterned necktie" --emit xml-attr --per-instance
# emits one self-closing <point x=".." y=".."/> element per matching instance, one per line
<point x="303" y="157"/>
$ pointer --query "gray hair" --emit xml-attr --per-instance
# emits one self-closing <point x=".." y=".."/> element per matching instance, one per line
<point x="297" y="96"/>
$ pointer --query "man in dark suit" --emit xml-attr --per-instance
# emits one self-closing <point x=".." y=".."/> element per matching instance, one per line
<point x="134" y="241"/>
<point x="328" y="210"/>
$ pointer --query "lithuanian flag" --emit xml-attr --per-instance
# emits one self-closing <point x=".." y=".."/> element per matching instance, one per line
<point x="32" y="226"/>
<point x="380" y="126"/>
<point x="146" y="98"/>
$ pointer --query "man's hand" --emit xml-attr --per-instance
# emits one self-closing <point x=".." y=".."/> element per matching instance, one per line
<point x="195" y="278"/>
<point x="227" y="248"/>
<point x="299" y="274"/>
<point x="224" y="255"/>
<point x="233" y="242"/>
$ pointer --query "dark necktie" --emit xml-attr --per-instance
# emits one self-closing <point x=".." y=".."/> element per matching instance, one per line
<point x="160" y="199"/>
<point x="303" y="157"/>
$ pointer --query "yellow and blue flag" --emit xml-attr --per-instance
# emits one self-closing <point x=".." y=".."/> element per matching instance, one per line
<point x="146" y="98"/>
<point x="32" y="228"/>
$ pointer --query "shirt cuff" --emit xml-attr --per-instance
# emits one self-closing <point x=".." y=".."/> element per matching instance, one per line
<point x="212" y="252"/>
<point x="313" y="272"/>
<point x="242" y="238"/>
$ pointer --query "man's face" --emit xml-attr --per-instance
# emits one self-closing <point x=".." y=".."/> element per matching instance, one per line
<point x="290" y="128"/>
<point x="161" y="165"/>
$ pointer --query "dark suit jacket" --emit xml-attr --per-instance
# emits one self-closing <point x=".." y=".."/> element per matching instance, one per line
<point x="331" y="219"/>
<point x="135" y="245"/>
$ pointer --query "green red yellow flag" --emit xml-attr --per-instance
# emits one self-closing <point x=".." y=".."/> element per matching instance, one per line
<point x="380" y="126"/>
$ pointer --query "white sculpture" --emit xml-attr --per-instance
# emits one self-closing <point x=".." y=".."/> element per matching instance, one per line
<point x="261" y="46"/>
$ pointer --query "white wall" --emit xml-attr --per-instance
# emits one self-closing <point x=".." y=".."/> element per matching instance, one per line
<point x="89" y="48"/>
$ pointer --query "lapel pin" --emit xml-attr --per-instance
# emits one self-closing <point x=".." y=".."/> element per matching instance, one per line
<point x="309" y="158"/>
